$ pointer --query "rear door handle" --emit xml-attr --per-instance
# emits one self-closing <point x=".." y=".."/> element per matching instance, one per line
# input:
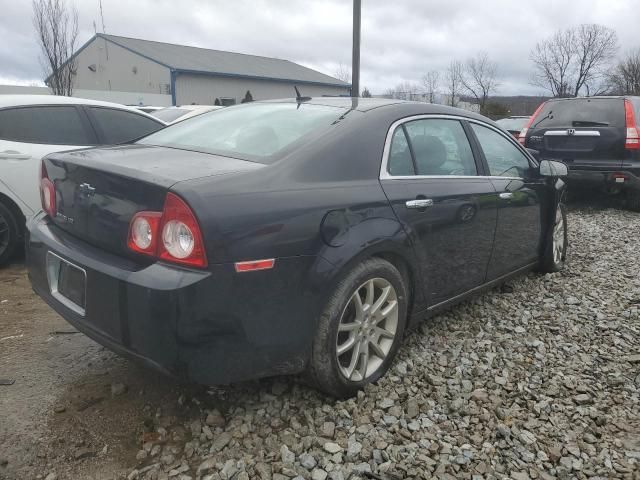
<point x="506" y="195"/>
<point x="419" y="203"/>
<point x="13" y="155"/>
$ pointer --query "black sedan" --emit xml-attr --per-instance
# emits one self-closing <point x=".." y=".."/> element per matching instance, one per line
<point x="290" y="236"/>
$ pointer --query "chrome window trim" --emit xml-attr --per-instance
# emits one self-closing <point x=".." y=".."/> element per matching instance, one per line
<point x="385" y="175"/>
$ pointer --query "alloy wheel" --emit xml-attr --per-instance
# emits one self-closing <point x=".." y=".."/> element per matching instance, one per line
<point x="558" y="237"/>
<point x="367" y="329"/>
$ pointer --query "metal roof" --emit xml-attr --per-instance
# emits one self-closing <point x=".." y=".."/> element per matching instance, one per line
<point x="183" y="58"/>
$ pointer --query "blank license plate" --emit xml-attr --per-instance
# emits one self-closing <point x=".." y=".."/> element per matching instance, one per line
<point x="67" y="282"/>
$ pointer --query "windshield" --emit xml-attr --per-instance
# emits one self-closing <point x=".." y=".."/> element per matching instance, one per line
<point x="256" y="132"/>
<point x="513" y="123"/>
<point x="581" y="112"/>
<point x="170" y="114"/>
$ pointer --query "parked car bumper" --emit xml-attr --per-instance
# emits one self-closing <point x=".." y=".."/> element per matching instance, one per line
<point x="623" y="178"/>
<point x="211" y="327"/>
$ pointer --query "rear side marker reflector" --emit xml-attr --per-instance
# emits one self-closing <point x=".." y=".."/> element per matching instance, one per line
<point x="254" y="265"/>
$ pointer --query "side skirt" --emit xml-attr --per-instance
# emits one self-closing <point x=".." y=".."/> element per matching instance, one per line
<point x="417" y="317"/>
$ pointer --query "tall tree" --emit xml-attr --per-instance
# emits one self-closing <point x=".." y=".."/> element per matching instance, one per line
<point x="479" y="79"/>
<point x="625" y="78"/>
<point x="431" y="83"/>
<point x="574" y="59"/>
<point x="453" y="78"/>
<point x="56" y="26"/>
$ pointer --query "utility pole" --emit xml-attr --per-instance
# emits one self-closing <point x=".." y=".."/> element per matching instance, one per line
<point x="355" y="56"/>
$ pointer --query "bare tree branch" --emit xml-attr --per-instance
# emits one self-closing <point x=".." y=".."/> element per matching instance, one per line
<point x="431" y="83"/>
<point x="625" y="78"/>
<point x="480" y="78"/>
<point x="573" y="59"/>
<point x="57" y="31"/>
<point x="453" y="78"/>
<point x="343" y="73"/>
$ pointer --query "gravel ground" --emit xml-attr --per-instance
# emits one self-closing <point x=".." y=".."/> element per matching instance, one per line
<point x="538" y="379"/>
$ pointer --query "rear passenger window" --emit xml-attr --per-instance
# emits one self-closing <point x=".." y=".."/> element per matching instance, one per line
<point x="120" y="126"/>
<point x="400" y="162"/>
<point x="52" y="125"/>
<point x="503" y="157"/>
<point x="440" y="147"/>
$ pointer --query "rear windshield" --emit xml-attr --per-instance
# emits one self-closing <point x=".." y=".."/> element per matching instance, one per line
<point x="169" y="114"/>
<point x="581" y="112"/>
<point x="256" y="132"/>
<point x="513" y="123"/>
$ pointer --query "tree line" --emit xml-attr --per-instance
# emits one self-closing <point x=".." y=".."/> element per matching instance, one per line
<point x="576" y="61"/>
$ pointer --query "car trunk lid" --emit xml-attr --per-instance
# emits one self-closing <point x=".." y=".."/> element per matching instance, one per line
<point x="99" y="190"/>
<point x="581" y="132"/>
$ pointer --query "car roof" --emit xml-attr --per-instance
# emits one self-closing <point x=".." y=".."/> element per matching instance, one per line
<point x="26" y="100"/>
<point x="389" y="105"/>
<point x="595" y="97"/>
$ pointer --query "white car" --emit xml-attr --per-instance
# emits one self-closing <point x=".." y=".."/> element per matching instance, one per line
<point x="32" y="126"/>
<point x="178" y="114"/>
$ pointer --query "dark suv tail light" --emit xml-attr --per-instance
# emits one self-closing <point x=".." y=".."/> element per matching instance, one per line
<point x="523" y="133"/>
<point x="47" y="192"/>
<point x="173" y="235"/>
<point x="632" y="141"/>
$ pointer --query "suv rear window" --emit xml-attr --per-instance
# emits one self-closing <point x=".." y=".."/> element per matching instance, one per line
<point x="581" y="112"/>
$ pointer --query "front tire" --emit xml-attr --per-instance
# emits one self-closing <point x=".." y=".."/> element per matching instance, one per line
<point x="360" y="330"/>
<point x="9" y="234"/>
<point x="556" y="243"/>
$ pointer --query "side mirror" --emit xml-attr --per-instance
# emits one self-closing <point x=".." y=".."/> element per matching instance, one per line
<point x="549" y="168"/>
<point x="534" y="153"/>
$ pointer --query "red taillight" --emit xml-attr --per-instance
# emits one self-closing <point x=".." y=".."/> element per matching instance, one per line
<point x="523" y="133"/>
<point x="181" y="237"/>
<point x="632" y="141"/>
<point x="47" y="192"/>
<point x="172" y="235"/>
<point x="143" y="232"/>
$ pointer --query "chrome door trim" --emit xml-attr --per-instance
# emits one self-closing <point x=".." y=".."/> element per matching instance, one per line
<point x="385" y="175"/>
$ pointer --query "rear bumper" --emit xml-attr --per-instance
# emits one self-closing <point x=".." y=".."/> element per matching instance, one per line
<point x="211" y="327"/>
<point x="623" y="178"/>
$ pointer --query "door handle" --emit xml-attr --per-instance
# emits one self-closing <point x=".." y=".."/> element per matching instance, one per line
<point x="13" y="155"/>
<point x="506" y="195"/>
<point x="419" y="203"/>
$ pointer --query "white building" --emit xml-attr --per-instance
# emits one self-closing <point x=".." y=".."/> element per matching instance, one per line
<point x="192" y="75"/>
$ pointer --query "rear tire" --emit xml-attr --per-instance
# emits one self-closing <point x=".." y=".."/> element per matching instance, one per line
<point x="360" y="329"/>
<point x="9" y="234"/>
<point x="556" y="244"/>
<point x="633" y="200"/>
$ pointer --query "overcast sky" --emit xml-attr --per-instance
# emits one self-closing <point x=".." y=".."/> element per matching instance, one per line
<point x="401" y="39"/>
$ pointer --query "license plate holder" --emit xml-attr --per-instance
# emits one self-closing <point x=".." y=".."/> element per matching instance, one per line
<point x="67" y="283"/>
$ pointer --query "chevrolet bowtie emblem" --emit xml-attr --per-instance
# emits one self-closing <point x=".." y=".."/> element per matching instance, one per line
<point x="87" y="189"/>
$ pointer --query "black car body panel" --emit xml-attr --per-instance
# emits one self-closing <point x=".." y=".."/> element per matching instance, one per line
<point x="318" y="211"/>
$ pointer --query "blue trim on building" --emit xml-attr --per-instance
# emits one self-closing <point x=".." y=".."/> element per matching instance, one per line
<point x="174" y="75"/>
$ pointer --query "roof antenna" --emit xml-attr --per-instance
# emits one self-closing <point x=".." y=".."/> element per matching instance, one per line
<point x="300" y="98"/>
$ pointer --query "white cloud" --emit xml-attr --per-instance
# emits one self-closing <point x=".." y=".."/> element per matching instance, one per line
<point x="400" y="42"/>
